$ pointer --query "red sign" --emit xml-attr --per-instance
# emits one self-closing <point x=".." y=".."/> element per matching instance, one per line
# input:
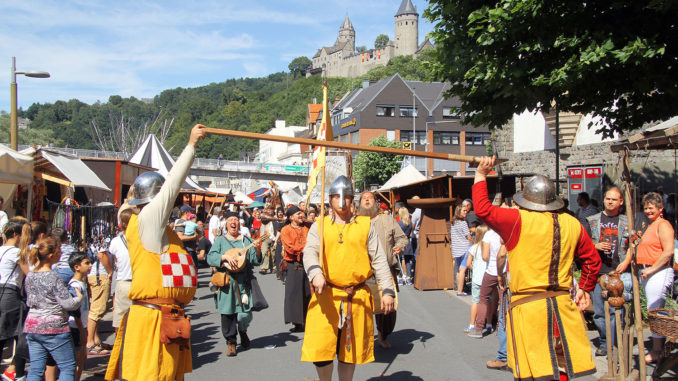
<point x="594" y="172"/>
<point x="575" y="173"/>
<point x="575" y="187"/>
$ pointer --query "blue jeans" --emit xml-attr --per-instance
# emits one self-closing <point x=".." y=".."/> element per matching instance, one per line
<point x="501" y="330"/>
<point x="599" y="317"/>
<point x="59" y="346"/>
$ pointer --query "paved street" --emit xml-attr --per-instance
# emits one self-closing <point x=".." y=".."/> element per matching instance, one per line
<point x="428" y="343"/>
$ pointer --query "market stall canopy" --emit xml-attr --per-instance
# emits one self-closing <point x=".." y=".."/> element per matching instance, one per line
<point x="259" y="194"/>
<point x="64" y="169"/>
<point x="661" y="136"/>
<point x="152" y="154"/>
<point x="241" y="198"/>
<point x="406" y="176"/>
<point x="15" y="167"/>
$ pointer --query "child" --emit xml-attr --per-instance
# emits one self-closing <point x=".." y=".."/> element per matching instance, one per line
<point x="80" y="264"/>
<point x="476" y="263"/>
<point x="190" y="224"/>
<point x="46" y="325"/>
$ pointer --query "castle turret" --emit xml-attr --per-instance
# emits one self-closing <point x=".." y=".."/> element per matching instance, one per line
<point x="346" y="35"/>
<point x="406" y="29"/>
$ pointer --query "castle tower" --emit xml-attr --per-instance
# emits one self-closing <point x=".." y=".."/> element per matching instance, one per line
<point x="406" y="29"/>
<point x="346" y="35"/>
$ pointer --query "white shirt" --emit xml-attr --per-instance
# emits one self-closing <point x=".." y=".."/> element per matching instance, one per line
<point x="8" y="265"/>
<point x="119" y="250"/>
<point x="492" y="238"/>
<point x="479" y="266"/>
<point x="416" y="221"/>
<point x="84" y="307"/>
<point x="245" y="231"/>
<point x="98" y="266"/>
<point x="213" y="227"/>
<point x="3" y="220"/>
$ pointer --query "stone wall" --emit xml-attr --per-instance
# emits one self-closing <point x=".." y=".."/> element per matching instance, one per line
<point x="649" y="168"/>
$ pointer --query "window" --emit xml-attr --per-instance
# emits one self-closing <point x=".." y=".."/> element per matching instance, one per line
<point x="385" y="110"/>
<point x="390" y="136"/>
<point x="407" y="136"/>
<point x="355" y="137"/>
<point x="451" y="113"/>
<point x="446" y="138"/>
<point x="408" y="111"/>
<point x="477" y="138"/>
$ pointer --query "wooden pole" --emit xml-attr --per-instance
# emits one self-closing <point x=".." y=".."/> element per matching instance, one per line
<point x="620" y="352"/>
<point x="321" y="225"/>
<point x="347" y="146"/>
<point x="611" y="371"/>
<point x="637" y="316"/>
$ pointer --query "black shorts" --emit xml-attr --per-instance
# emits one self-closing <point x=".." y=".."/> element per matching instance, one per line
<point x="75" y="334"/>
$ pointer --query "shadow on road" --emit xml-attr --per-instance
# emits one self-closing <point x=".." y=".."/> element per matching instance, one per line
<point x="202" y="343"/>
<point x="278" y="339"/>
<point x="402" y="343"/>
<point x="403" y="375"/>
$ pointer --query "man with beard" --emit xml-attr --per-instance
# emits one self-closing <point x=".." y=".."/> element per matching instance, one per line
<point x="394" y="241"/>
<point x="339" y="319"/>
<point x="234" y="299"/>
<point x="297" y="291"/>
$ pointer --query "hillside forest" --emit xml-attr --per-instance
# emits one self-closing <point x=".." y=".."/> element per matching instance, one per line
<point x="247" y="104"/>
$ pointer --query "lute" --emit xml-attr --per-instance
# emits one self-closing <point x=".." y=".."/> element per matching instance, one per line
<point x="241" y="254"/>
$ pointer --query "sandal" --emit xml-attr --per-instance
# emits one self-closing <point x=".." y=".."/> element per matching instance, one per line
<point x="105" y="346"/>
<point x="97" y="350"/>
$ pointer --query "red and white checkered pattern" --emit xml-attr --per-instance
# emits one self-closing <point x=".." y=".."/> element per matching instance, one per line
<point x="178" y="270"/>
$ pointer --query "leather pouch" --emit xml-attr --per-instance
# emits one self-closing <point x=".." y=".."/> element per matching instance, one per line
<point x="175" y="326"/>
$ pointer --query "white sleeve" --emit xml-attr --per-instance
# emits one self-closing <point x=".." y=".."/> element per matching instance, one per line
<point x="153" y="217"/>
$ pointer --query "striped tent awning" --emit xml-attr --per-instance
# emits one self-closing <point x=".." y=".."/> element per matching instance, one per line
<point x="152" y="154"/>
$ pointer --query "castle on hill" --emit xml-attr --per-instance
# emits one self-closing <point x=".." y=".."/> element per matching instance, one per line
<point x="342" y="60"/>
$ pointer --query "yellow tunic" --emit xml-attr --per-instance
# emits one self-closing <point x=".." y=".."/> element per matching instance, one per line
<point x="144" y="357"/>
<point x="533" y="268"/>
<point x="344" y="264"/>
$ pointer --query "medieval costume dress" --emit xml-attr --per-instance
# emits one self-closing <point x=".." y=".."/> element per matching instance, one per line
<point x="297" y="290"/>
<point x="352" y="253"/>
<point x="546" y="333"/>
<point x="162" y="274"/>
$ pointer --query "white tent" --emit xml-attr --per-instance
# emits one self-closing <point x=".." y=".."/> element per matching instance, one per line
<point x="406" y="176"/>
<point x="242" y="198"/>
<point x="15" y="168"/>
<point x="64" y="168"/>
<point x="152" y="154"/>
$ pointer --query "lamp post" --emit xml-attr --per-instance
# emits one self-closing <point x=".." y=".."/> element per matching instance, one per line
<point x="13" y="127"/>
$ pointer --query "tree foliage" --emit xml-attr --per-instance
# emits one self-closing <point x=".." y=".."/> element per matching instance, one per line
<point x="381" y="41"/>
<point x="617" y="59"/>
<point x="376" y="168"/>
<point x="361" y="49"/>
<point x="298" y="66"/>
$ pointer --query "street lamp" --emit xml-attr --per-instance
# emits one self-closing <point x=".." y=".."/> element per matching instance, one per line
<point x="13" y="128"/>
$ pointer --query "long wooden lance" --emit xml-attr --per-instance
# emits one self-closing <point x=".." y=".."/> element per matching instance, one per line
<point x="347" y="146"/>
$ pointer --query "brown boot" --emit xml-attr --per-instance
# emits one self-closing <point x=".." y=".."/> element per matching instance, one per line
<point x="230" y="350"/>
<point x="244" y="340"/>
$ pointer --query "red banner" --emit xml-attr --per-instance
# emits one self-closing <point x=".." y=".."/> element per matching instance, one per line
<point x="594" y="172"/>
<point x="575" y="173"/>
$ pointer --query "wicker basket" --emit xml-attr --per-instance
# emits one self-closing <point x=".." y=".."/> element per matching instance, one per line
<point x="664" y="322"/>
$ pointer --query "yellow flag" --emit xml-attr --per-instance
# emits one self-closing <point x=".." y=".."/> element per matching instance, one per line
<point x="324" y="133"/>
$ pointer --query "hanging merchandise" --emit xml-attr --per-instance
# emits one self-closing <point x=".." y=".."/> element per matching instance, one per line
<point x="87" y="225"/>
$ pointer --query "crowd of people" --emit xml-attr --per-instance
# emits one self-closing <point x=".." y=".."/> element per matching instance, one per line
<point x="514" y="261"/>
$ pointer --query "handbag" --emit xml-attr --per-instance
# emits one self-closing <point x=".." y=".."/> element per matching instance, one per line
<point x="259" y="302"/>
<point x="220" y="279"/>
<point x="175" y="326"/>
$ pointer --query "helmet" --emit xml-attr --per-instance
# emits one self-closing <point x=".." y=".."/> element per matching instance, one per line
<point x="146" y="186"/>
<point x="539" y="195"/>
<point x="343" y="187"/>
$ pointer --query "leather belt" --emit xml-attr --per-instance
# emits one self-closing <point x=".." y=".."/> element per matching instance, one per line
<point x="155" y="303"/>
<point x="348" y="324"/>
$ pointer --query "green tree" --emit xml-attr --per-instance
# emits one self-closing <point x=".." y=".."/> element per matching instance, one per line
<point x="361" y="49"/>
<point x="376" y="168"/>
<point x="381" y="41"/>
<point x="617" y="59"/>
<point x="298" y="66"/>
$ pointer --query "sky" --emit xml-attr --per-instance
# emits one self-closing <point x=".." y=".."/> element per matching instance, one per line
<point x="94" y="49"/>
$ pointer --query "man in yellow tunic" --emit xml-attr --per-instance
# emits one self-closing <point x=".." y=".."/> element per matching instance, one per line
<point x="546" y="333"/>
<point x="163" y="275"/>
<point x="339" y="319"/>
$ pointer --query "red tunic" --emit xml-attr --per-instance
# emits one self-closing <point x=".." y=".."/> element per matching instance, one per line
<point x="506" y="222"/>
<point x="293" y="240"/>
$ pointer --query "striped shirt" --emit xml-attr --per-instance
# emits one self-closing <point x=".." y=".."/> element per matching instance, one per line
<point x="459" y="238"/>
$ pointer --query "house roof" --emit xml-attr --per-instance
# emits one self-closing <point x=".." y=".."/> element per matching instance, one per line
<point x="347" y="24"/>
<point x="313" y="111"/>
<point x="406" y="8"/>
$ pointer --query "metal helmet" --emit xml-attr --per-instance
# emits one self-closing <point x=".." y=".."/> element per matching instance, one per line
<point x="343" y="187"/>
<point x="146" y="186"/>
<point x="539" y="195"/>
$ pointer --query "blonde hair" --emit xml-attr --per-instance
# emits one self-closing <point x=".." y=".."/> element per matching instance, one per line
<point x="480" y="233"/>
<point x="42" y="250"/>
<point x="457" y="214"/>
<point x="404" y="215"/>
